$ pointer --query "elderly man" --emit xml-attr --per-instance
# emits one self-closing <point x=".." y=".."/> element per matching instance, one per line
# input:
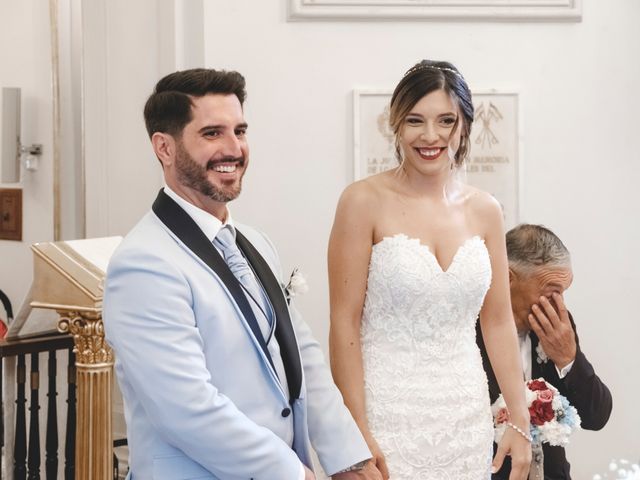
<point x="539" y="273"/>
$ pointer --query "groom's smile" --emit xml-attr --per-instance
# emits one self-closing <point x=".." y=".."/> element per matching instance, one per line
<point x="212" y="153"/>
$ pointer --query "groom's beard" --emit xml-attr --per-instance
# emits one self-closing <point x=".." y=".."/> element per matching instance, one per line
<point x="194" y="176"/>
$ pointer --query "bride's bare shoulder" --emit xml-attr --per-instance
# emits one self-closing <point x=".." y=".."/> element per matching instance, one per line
<point x="365" y="194"/>
<point x="481" y="204"/>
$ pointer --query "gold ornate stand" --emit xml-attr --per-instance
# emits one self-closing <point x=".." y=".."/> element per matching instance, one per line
<point x="94" y="377"/>
<point x="66" y="281"/>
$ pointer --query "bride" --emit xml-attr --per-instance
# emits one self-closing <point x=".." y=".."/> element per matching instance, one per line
<point x="414" y="257"/>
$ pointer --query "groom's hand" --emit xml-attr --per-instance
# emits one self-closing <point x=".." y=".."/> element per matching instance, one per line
<point x="369" y="472"/>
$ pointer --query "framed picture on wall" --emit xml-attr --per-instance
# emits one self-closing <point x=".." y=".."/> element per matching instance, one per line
<point x="493" y="164"/>
<point x="373" y="140"/>
<point x="519" y="10"/>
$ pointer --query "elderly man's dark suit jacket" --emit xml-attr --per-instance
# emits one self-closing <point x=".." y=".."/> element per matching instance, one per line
<point x="581" y="386"/>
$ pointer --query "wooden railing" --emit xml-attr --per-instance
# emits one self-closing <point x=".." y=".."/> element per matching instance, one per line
<point x="26" y="448"/>
<point x="88" y="445"/>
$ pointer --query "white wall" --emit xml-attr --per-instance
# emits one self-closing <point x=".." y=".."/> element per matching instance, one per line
<point x="579" y="99"/>
<point x="121" y="63"/>
<point x="127" y="47"/>
<point x="26" y="63"/>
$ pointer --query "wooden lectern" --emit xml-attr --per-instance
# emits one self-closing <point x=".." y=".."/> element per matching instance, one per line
<point x="68" y="278"/>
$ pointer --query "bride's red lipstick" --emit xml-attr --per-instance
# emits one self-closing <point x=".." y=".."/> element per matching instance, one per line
<point x="430" y="153"/>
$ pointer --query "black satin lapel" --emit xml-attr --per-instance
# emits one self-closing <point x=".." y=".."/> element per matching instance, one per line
<point x="536" y="367"/>
<point x="284" y="329"/>
<point x="180" y="223"/>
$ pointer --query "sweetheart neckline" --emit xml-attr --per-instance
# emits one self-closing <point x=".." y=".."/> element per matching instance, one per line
<point x="417" y="241"/>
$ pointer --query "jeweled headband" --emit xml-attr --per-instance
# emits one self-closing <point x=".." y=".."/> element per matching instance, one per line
<point x="421" y="66"/>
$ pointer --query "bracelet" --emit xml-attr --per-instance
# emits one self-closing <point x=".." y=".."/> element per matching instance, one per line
<point x="527" y="436"/>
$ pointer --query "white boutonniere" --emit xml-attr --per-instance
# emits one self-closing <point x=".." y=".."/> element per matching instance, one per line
<point x="297" y="285"/>
<point x="541" y="355"/>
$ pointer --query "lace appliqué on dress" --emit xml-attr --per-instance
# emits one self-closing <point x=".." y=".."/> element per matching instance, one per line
<point x="426" y="391"/>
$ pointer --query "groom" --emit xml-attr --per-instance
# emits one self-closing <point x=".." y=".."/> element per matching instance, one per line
<point x="539" y="273"/>
<point x="221" y="379"/>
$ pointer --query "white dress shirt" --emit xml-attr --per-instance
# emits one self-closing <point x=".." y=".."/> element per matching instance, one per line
<point x="525" y="353"/>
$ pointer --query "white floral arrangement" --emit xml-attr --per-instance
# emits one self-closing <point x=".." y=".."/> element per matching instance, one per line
<point x="297" y="285"/>
<point x="620" y="470"/>
<point x="553" y="419"/>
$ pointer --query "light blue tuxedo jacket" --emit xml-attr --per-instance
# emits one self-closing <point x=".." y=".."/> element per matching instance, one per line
<point x="201" y="398"/>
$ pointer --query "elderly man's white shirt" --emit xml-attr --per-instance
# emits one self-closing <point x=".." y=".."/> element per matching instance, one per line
<point x="525" y="354"/>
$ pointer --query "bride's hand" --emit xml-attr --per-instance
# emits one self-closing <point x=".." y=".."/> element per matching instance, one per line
<point x="519" y="448"/>
<point x="378" y="457"/>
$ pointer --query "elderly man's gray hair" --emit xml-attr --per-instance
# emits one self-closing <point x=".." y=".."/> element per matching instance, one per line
<point x="531" y="246"/>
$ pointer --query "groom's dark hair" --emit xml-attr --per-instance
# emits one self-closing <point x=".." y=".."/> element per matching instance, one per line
<point x="168" y="108"/>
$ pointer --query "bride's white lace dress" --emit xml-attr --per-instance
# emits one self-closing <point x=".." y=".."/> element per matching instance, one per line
<point x="425" y="388"/>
